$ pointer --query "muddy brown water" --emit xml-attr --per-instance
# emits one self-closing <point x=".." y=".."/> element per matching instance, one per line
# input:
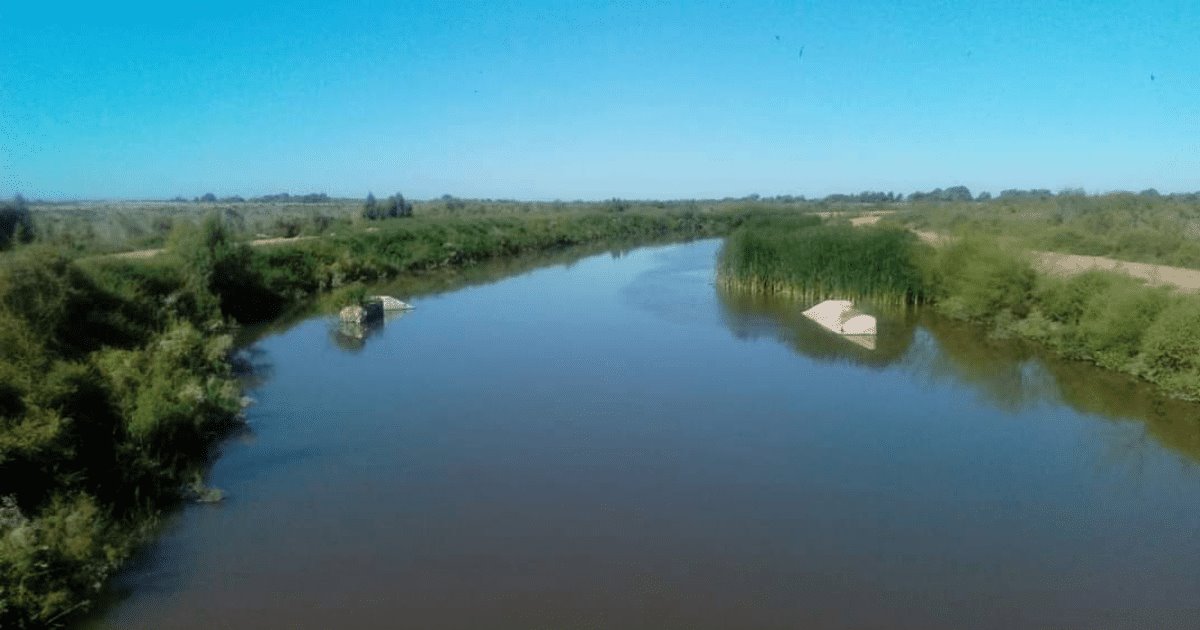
<point x="614" y="443"/>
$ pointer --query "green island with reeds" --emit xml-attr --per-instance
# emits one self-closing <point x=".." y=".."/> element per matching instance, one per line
<point x="986" y="276"/>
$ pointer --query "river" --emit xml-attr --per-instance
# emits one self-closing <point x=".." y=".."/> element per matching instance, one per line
<point x="615" y="443"/>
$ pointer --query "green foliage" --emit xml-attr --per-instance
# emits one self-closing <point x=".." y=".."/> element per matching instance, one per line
<point x="1144" y="228"/>
<point x="1112" y="326"/>
<point x="107" y="401"/>
<point x="1102" y="317"/>
<point x="1171" y="347"/>
<point x="371" y="210"/>
<point x="978" y="280"/>
<point x="16" y="224"/>
<point x="796" y="255"/>
<point x="214" y="263"/>
<point x="51" y="564"/>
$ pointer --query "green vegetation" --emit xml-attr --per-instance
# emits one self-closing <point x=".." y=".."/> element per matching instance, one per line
<point x="1145" y="227"/>
<point x="1104" y="318"/>
<point x="107" y="227"/>
<point x="16" y="224"/>
<point x="109" y="397"/>
<point x="116" y="377"/>
<point x="799" y="256"/>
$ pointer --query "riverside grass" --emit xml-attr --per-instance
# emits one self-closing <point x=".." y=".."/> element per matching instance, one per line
<point x="116" y="376"/>
<point x="805" y="259"/>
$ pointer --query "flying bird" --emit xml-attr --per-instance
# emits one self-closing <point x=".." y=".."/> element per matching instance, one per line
<point x="801" y="53"/>
<point x="1152" y="77"/>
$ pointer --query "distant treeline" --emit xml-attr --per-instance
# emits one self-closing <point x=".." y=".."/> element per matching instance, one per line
<point x="99" y="227"/>
<point x="276" y="198"/>
<point x="963" y="194"/>
<point x="105" y="227"/>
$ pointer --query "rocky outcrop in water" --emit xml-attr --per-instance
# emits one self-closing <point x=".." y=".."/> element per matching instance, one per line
<point x="364" y="313"/>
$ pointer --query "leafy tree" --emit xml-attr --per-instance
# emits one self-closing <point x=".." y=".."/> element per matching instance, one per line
<point x="397" y="206"/>
<point x="16" y="224"/>
<point x="371" y="210"/>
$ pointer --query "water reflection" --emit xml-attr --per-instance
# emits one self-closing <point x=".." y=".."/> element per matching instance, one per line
<point x="435" y="282"/>
<point x="1009" y="374"/>
<point x="757" y="316"/>
<point x="352" y="336"/>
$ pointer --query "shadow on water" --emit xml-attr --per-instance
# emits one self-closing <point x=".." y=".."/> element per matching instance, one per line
<point x="757" y="316"/>
<point x="1010" y="374"/>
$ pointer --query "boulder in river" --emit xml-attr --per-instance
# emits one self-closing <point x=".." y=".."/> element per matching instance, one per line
<point x="841" y="317"/>
<point x="390" y="303"/>
<point x="364" y="313"/>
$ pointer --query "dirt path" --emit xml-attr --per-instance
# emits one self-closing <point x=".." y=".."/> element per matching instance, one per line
<point x="279" y="240"/>
<point x="1064" y="265"/>
<point x="1159" y="275"/>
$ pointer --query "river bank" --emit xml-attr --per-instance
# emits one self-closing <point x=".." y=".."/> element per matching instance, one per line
<point x="107" y="415"/>
<point x="1103" y="317"/>
<point x="639" y="449"/>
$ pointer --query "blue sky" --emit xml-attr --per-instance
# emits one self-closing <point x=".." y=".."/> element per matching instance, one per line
<point x="579" y="99"/>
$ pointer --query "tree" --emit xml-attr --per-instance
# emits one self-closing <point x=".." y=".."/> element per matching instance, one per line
<point x="396" y="206"/>
<point x="208" y="198"/>
<point x="370" y="209"/>
<point x="16" y="224"/>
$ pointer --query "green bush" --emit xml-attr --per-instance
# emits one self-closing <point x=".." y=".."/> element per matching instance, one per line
<point x="1111" y="328"/>
<point x="978" y="280"/>
<point x="1171" y="347"/>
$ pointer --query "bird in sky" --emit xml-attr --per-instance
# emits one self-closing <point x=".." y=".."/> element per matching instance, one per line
<point x="801" y="53"/>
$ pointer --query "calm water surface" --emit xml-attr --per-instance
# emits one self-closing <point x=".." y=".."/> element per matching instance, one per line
<point x="615" y="444"/>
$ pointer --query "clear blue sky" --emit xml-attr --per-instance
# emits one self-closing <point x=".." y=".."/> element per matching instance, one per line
<point x="579" y="99"/>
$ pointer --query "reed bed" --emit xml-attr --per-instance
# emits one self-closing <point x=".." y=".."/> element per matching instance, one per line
<point x="817" y="262"/>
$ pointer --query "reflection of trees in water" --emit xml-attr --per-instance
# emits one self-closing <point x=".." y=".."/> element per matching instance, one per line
<point x="1005" y="373"/>
<point x="351" y="336"/>
<point x="419" y="284"/>
<point x="1009" y="374"/>
<point x="251" y="366"/>
<point x="750" y="316"/>
<point x="1016" y="375"/>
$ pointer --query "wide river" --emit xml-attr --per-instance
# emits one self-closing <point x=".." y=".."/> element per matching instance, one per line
<point x="613" y="443"/>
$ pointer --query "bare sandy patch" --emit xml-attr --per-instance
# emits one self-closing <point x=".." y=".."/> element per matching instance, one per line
<point x="1159" y="275"/>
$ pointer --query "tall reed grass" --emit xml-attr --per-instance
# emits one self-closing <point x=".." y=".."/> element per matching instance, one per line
<point x="813" y="261"/>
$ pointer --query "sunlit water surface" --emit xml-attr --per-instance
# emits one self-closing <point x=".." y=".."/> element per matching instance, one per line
<point x="614" y="443"/>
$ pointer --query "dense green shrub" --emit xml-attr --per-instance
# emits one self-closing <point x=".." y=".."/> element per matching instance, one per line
<point x="1171" y="347"/>
<point x="215" y="263"/>
<point x="978" y="280"/>
<point x="1111" y="328"/>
